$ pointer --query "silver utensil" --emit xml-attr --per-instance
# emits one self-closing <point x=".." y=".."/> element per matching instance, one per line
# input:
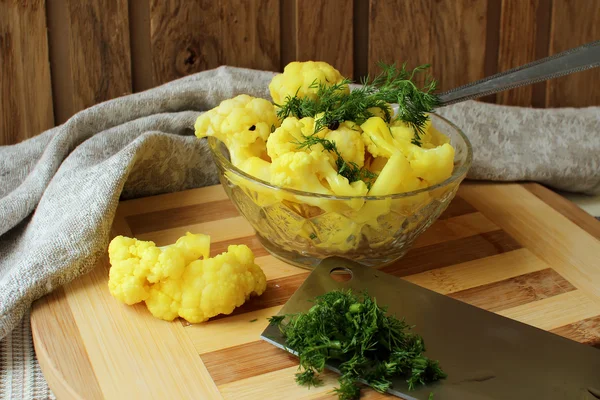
<point x="567" y="62"/>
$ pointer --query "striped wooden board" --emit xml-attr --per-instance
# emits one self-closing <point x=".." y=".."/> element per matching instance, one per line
<point x="517" y="250"/>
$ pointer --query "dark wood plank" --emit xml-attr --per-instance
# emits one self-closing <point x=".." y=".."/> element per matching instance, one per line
<point x="324" y="33"/>
<point x="458" y="207"/>
<point x="288" y="32"/>
<point x="567" y="208"/>
<point x="574" y="22"/>
<point x="586" y="331"/>
<point x="185" y="37"/>
<point x="25" y="87"/>
<point x="251" y="34"/>
<point x="99" y="51"/>
<point x="458" y="41"/>
<point x="182" y="216"/>
<point x="399" y="32"/>
<point x="452" y="252"/>
<point x="515" y="291"/>
<point x="245" y="361"/>
<point x="517" y="45"/>
<point x="141" y="51"/>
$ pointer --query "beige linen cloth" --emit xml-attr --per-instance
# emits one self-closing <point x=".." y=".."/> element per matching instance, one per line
<point x="59" y="190"/>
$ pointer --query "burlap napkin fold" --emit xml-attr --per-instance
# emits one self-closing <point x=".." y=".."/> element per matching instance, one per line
<point x="59" y="190"/>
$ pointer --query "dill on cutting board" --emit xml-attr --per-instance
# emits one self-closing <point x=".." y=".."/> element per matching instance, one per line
<point x="353" y="330"/>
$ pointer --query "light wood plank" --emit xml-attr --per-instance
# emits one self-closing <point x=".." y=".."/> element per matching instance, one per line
<point x="232" y="331"/>
<point x="185" y="37"/>
<point x="70" y="375"/>
<point x="479" y="272"/>
<point x="458" y="41"/>
<point x="275" y="268"/>
<point x="567" y="208"/>
<point x="251" y="34"/>
<point x="219" y="231"/>
<point x="399" y="32"/>
<point x="564" y="246"/>
<point x="555" y="311"/>
<point x="119" y="362"/>
<point x="25" y="87"/>
<point x="517" y="45"/>
<point x="324" y="33"/>
<point x="273" y="384"/>
<point x="574" y="22"/>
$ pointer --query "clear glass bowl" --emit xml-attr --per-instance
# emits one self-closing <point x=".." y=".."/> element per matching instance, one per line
<point x="303" y="228"/>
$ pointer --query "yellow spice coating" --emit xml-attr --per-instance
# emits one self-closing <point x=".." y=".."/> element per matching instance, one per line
<point x="173" y="281"/>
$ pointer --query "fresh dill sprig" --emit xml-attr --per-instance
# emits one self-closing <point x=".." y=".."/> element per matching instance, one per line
<point x="368" y="344"/>
<point x="393" y="85"/>
<point x="348" y="169"/>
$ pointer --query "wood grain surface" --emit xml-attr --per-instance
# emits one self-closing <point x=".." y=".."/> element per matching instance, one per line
<point x="25" y="88"/>
<point x="458" y="40"/>
<point x="517" y="45"/>
<point x="192" y="36"/>
<point x="517" y="250"/>
<point x="574" y="22"/>
<point x="90" y="44"/>
<point x="100" y="49"/>
<point x="324" y="33"/>
<point x="411" y="41"/>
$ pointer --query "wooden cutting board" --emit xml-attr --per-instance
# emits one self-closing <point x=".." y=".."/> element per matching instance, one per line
<point x="517" y="250"/>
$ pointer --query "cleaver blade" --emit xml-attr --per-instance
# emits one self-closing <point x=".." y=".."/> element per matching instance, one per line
<point x="486" y="356"/>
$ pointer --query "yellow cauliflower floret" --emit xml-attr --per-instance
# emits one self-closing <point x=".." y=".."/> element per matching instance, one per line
<point x="299" y="170"/>
<point x="257" y="167"/>
<point x="243" y="123"/>
<point x="298" y="76"/>
<point x="174" y="282"/>
<point x="433" y="165"/>
<point x="349" y="143"/>
<point x="379" y="139"/>
<point x="312" y="172"/>
<point x="218" y="285"/>
<point x="292" y="131"/>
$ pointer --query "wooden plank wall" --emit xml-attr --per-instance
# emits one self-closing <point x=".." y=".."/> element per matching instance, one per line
<point x="60" y="56"/>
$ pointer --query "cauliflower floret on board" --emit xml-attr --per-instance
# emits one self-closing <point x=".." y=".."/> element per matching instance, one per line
<point x="298" y="77"/>
<point x="173" y="281"/>
<point x="243" y="123"/>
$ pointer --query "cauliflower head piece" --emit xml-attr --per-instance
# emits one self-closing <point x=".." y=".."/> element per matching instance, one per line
<point x="293" y="131"/>
<point x="348" y="141"/>
<point x="243" y="123"/>
<point x="298" y="78"/>
<point x="173" y="281"/>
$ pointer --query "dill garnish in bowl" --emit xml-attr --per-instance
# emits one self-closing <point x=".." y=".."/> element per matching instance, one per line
<point x="354" y="331"/>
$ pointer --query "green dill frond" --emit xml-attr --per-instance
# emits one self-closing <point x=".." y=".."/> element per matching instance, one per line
<point x="368" y="344"/>
<point x="393" y="85"/>
<point x="308" y="378"/>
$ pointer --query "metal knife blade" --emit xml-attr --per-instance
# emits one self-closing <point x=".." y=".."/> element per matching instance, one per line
<point x="485" y="355"/>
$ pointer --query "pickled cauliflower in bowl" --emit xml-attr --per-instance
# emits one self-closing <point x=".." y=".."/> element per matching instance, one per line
<point x="324" y="170"/>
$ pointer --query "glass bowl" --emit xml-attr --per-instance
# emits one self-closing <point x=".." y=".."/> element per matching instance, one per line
<point x="303" y="228"/>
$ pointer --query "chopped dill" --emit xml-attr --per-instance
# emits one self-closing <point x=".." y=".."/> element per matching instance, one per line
<point x="369" y="345"/>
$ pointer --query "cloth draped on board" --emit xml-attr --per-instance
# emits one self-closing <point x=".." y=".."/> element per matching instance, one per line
<point x="59" y="190"/>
